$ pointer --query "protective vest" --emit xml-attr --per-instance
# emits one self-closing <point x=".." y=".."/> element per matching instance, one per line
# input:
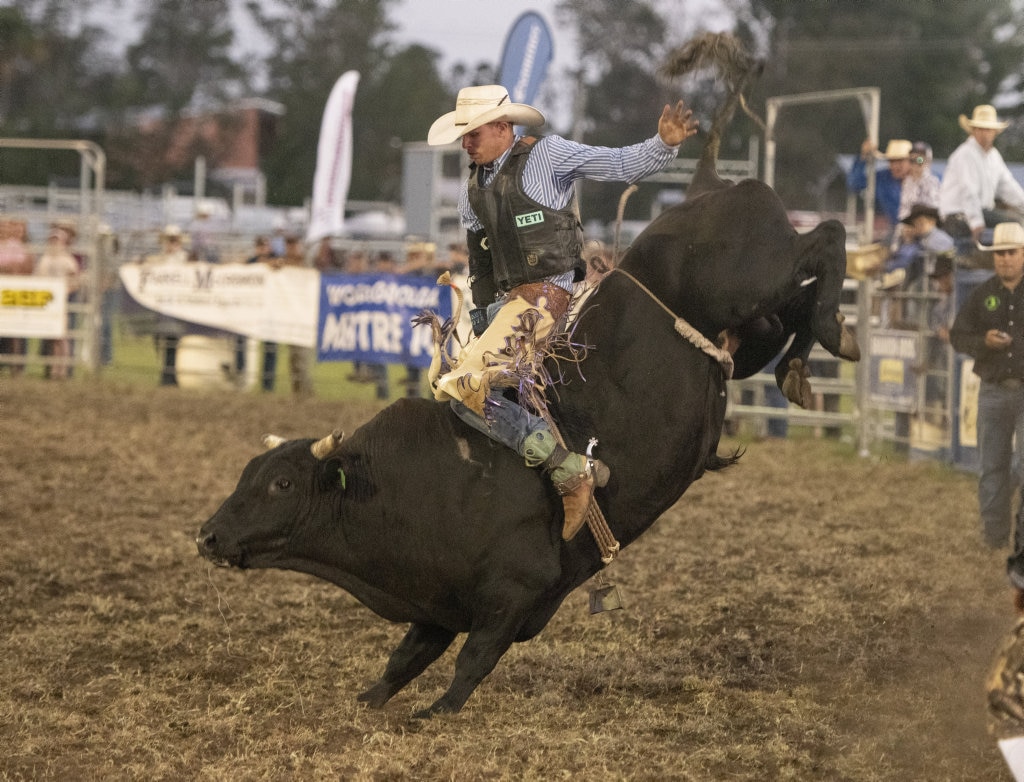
<point x="527" y="240"/>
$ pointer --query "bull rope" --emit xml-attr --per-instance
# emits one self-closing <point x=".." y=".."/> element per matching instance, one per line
<point x="686" y="331"/>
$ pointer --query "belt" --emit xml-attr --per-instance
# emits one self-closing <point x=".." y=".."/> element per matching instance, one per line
<point x="1011" y="383"/>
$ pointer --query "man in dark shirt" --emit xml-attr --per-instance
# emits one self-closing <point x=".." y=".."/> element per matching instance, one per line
<point x="990" y="328"/>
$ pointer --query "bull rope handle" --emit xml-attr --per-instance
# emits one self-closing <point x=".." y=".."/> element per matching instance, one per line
<point x="685" y="330"/>
<point x="595" y="519"/>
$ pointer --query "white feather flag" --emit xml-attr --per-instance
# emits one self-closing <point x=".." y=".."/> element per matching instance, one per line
<point x="333" y="161"/>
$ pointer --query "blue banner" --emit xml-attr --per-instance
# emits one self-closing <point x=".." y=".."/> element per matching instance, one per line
<point x="367" y="317"/>
<point x="525" y="59"/>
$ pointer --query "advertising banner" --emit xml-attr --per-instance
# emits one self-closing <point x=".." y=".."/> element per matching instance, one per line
<point x="368" y="318"/>
<point x="893" y="355"/>
<point x="33" y="306"/>
<point x="333" y="161"/>
<point x="275" y="305"/>
<point x="528" y="50"/>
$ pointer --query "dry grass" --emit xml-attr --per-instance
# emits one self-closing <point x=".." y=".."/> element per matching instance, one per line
<point x="806" y="615"/>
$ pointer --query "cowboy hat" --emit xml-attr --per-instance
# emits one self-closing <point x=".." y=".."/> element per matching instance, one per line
<point x="984" y="116"/>
<point x="897" y="149"/>
<point x="1005" y="236"/>
<point x="476" y="106"/>
<point x="923" y="210"/>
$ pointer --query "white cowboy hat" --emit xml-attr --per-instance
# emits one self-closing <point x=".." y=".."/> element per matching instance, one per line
<point x="1005" y="236"/>
<point x="476" y="106"/>
<point x="897" y="149"/>
<point x="984" y="116"/>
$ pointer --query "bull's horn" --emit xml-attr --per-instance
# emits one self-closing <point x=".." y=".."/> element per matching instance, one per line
<point x="321" y="449"/>
<point x="272" y="441"/>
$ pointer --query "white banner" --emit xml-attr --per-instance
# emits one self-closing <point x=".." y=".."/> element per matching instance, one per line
<point x="333" y="161"/>
<point x="33" y="306"/>
<point x="274" y="305"/>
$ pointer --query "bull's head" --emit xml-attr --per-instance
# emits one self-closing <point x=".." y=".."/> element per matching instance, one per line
<point x="279" y="490"/>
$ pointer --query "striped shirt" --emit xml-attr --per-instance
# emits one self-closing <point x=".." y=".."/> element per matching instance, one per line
<point x="555" y="163"/>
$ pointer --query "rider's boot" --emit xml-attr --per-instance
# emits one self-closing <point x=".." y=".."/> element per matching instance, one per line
<point x="573" y="474"/>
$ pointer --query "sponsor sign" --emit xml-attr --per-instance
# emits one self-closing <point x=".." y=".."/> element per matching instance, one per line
<point x="274" y="305"/>
<point x="526" y="56"/>
<point x="33" y="306"/>
<point x="333" y="161"/>
<point x="893" y="356"/>
<point x="368" y="318"/>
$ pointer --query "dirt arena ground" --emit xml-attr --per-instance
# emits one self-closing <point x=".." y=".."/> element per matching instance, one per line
<point x="806" y="615"/>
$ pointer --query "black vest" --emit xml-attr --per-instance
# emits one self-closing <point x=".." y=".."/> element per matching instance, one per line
<point x="528" y="241"/>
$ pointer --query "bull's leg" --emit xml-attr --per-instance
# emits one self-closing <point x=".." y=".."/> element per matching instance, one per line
<point x="822" y="254"/>
<point x="477" y="658"/>
<point x="419" y="648"/>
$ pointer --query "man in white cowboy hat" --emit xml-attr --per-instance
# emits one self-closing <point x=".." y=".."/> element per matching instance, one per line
<point x="168" y="331"/>
<point x="525" y="239"/>
<point x="990" y="328"/>
<point x="977" y="188"/>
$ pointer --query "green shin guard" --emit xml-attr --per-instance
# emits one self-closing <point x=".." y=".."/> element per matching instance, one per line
<point x="541" y="449"/>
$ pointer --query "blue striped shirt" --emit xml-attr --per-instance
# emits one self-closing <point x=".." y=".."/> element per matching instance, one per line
<point x="555" y="163"/>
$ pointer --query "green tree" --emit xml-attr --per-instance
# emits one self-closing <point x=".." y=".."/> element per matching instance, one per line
<point x="52" y="68"/>
<point x="311" y="44"/>
<point x="181" y="65"/>
<point x="621" y="46"/>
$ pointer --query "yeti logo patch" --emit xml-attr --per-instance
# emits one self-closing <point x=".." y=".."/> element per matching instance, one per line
<point x="526" y="220"/>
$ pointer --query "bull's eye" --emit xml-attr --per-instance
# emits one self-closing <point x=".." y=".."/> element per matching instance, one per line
<point x="281" y="486"/>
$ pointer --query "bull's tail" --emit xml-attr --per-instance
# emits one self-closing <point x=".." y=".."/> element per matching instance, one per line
<point x="716" y="461"/>
<point x="738" y="69"/>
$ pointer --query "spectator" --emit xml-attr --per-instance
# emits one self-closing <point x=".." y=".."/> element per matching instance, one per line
<point x="940" y="318"/>
<point x="920" y="186"/>
<point x="15" y="258"/>
<point x="262" y="253"/>
<point x="203" y="247"/>
<point x="925" y="241"/>
<point x="978" y="189"/>
<point x="327" y="259"/>
<point x="57" y="261"/>
<point x="277" y="239"/>
<point x="420" y="261"/>
<point x="110" y="289"/>
<point x="988" y="328"/>
<point x="168" y="331"/>
<point x="299" y="358"/>
<point x="888" y="183"/>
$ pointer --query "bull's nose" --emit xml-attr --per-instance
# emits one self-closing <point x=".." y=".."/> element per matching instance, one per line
<point x="205" y="543"/>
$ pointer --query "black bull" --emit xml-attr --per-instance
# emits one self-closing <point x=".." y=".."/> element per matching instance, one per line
<point x="428" y="522"/>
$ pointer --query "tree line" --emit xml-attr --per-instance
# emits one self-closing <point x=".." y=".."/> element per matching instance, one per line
<point x="61" y="76"/>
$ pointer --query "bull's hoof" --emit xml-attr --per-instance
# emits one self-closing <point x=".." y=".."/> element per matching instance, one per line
<point x="440" y="706"/>
<point x="376" y="696"/>
<point x="795" y="386"/>
<point x="848" y="347"/>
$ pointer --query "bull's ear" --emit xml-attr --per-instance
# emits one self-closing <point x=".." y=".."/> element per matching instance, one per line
<point x="345" y="473"/>
<point x="332" y="475"/>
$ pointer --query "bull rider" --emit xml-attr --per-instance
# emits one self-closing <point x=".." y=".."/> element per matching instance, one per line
<point x="518" y="206"/>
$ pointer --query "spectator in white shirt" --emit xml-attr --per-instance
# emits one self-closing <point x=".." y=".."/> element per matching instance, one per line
<point x="978" y="190"/>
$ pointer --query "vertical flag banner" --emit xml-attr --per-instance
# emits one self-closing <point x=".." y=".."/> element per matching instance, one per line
<point x="529" y="48"/>
<point x="333" y="161"/>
